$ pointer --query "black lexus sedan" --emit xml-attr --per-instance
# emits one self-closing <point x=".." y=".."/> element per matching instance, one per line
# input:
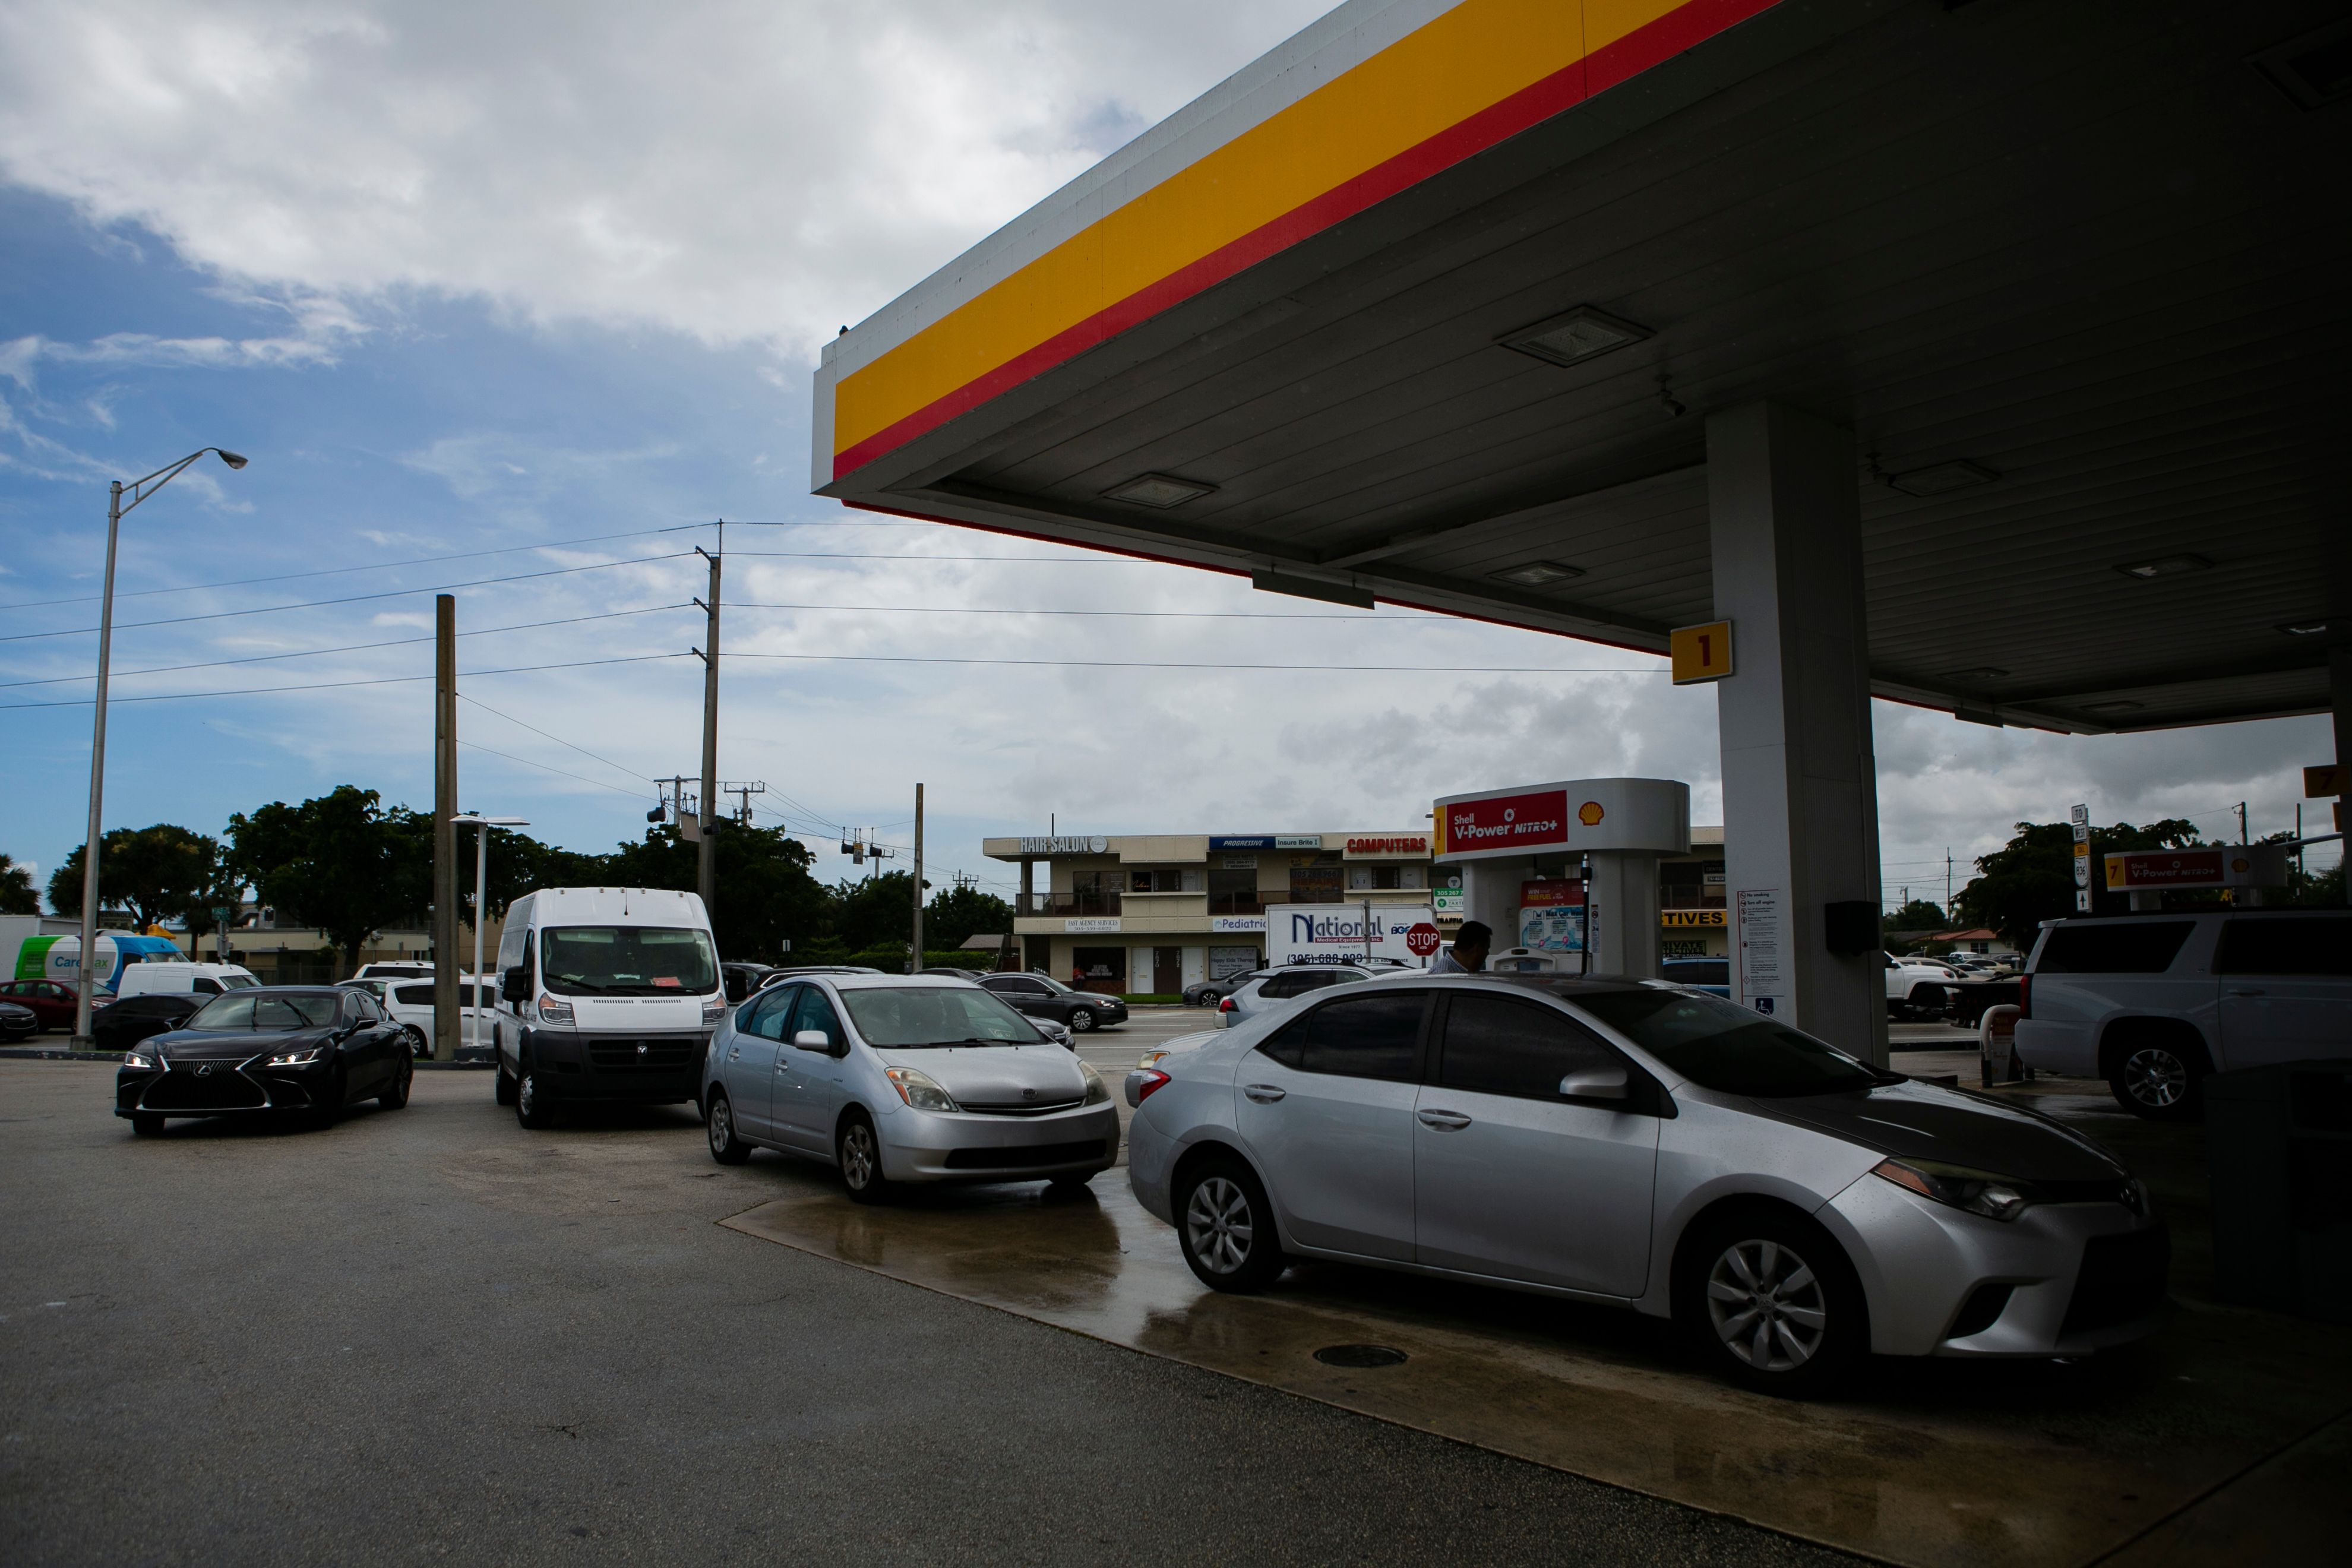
<point x="17" y="1022"/>
<point x="307" y="1051"/>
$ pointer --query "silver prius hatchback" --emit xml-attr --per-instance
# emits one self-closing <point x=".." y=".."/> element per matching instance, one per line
<point x="903" y="1079"/>
<point x="1643" y="1144"/>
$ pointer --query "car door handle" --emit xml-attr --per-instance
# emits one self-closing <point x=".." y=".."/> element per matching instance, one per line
<point x="1263" y="1093"/>
<point x="736" y="1055"/>
<point x="1446" y="1121"/>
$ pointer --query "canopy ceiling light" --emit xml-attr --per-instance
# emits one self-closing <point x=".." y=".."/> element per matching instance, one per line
<point x="1942" y="479"/>
<point x="2304" y="628"/>
<point x="1159" y="491"/>
<point x="1983" y="672"/>
<point x="2118" y="705"/>
<point x="1537" y="573"/>
<point x="1575" y="336"/>
<point x="2164" y="566"/>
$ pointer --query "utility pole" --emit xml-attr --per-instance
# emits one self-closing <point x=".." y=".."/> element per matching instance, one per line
<point x="915" y="953"/>
<point x="1947" y="889"/>
<point x="745" y="791"/>
<point x="2242" y="837"/>
<point x="707" y="868"/>
<point x="445" y="832"/>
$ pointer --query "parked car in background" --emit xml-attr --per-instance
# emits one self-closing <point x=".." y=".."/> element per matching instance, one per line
<point x="740" y="979"/>
<point x="1914" y="987"/>
<point x="1209" y="992"/>
<point x="50" y="1002"/>
<point x="1271" y="989"/>
<point x="118" y="1026"/>
<point x="300" y="1050"/>
<point x="1791" y="1208"/>
<point x="17" y="1022"/>
<point x="409" y="1004"/>
<point x="903" y="1078"/>
<point x="2155" y="1003"/>
<point x="1712" y="975"/>
<point x="1043" y="996"/>
<point x="393" y="969"/>
<point x="775" y="976"/>
<point x="183" y="979"/>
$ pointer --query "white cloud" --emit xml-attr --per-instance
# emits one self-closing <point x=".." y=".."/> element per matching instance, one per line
<point x="741" y="171"/>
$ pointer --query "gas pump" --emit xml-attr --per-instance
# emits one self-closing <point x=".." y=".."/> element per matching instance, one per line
<point x="1507" y="840"/>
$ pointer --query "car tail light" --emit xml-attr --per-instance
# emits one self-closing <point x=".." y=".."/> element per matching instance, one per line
<point x="1148" y="1083"/>
<point x="1225" y="1004"/>
<point x="2025" y="996"/>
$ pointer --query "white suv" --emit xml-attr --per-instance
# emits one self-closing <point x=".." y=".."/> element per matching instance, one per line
<point x="1916" y="986"/>
<point x="2153" y="1003"/>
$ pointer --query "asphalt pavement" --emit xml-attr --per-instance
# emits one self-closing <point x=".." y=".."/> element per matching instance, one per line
<point x="429" y="1335"/>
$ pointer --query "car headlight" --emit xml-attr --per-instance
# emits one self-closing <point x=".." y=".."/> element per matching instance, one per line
<point x="133" y="1059"/>
<point x="1152" y="1058"/>
<point x="1979" y="1192"/>
<point x="714" y="1007"/>
<point x="920" y="1090"/>
<point x="552" y="1011"/>
<point x="298" y="1058"/>
<point x="1097" y="1094"/>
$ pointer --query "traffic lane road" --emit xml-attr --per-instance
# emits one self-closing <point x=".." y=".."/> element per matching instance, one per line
<point x="428" y="1334"/>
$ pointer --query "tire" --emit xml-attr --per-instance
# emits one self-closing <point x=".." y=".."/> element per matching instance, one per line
<point x="146" y="1126"/>
<point x="1071" y="1185"/>
<point x="418" y="1046"/>
<point x="328" y="1113"/>
<point x="1225" y="1227"/>
<point x="504" y="1093"/>
<point x="2159" y="1078"/>
<point x="719" y="1122"/>
<point x="858" y="1149"/>
<point x="1928" y="999"/>
<point x="403" y="1075"/>
<point x="1770" y="1301"/>
<point x="534" y="1105"/>
<point x="1081" y="1020"/>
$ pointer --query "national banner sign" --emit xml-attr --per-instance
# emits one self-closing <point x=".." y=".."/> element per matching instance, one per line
<point x="1334" y="933"/>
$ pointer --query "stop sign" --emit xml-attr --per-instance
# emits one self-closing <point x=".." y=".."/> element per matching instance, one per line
<point x="1422" y="939"/>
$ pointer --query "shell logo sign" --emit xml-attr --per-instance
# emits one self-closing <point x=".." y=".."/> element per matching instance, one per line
<point x="1589" y="814"/>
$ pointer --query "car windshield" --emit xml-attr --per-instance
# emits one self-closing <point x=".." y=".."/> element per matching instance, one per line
<point x="1718" y="1046"/>
<point x="628" y="960"/>
<point x="262" y="1013"/>
<point x="903" y="1017"/>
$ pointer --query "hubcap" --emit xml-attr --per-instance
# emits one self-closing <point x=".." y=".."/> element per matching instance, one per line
<point x="2155" y="1077"/>
<point x="857" y="1156"/>
<point x="1217" y="1223"/>
<point x="1082" y="1020"/>
<point x="523" y="1095"/>
<point x="723" y="1126"/>
<point x="1767" y="1306"/>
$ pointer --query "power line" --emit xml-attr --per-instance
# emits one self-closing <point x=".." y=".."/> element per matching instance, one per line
<point x="557" y="739"/>
<point x="354" y="598"/>
<point x="544" y="767"/>
<point x="338" y="685"/>
<point x="350" y="648"/>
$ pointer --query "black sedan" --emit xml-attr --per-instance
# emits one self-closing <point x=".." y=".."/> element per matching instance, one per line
<point x="307" y="1051"/>
<point x="118" y="1026"/>
<point x="18" y="1022"/>
<point x="1209" y="992"/>
<point x="1041" y="996"/>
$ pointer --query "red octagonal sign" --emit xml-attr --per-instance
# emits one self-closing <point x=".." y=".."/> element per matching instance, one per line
<point x="1422" y="939"/>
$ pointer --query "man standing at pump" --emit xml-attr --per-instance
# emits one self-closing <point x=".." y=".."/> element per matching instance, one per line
<point x="1468" y="953"/>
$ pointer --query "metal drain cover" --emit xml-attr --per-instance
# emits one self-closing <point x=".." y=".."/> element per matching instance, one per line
<point x="1360" y="1355"/>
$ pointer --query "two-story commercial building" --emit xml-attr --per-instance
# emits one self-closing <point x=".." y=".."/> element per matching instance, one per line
<point x="1145" y="913"/>
<point x="1137" y="915"/>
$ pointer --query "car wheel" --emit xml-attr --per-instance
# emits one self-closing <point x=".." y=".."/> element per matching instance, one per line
<point x="403" y="1075"/>
<point x="147" y="1126"/>
<point x="2158" y="1080"/>
<point x="534" y="1103"/>
<point x="719" y="1122"/>
<point x="1771" y="1303"/>
<point x="418" y="1046"/>
<point x="1081" y="1020"/>
<point x="1225" y="1227"/>
<point x="1927" y="999"/>
<point x="859" y="1150"/>
<point x="504" y="1093"/>
<point x="1077" y="1182"/>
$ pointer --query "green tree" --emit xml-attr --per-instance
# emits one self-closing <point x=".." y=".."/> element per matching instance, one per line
<point x="2032" y="878"/>
<point x="221" y="886"/>
<point x="17" y="895"/>
<point x="765" y="894"/>
<point x="959" y="912"/>
<point x="338" y="862"/>
<point x="876" y="912"/>
<point x="152" y="873"/>
<point x="1919" y="914"/>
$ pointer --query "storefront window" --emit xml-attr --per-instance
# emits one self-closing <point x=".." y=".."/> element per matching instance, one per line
<point x="1234" y="892"/>
<point x="1099" y="969"/>
<point x="1320" y="881"/>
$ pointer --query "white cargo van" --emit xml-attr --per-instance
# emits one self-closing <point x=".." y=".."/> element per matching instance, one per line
<point x="169" y="979"/>
<point x="605" y="993"/>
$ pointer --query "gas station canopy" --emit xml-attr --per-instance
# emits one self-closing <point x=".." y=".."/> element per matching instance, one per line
<point x="1433" y="305"/>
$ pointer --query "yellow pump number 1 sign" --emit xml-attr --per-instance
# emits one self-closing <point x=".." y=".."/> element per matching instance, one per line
<point x="1701" y="653"/>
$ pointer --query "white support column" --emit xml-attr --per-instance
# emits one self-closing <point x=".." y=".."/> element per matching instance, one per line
<point x="1800" y="777"/>
<point x="1623" y="903"/>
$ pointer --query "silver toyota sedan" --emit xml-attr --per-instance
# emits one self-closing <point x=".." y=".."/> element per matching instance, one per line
<point x="903" y="1079"/>
<point x="1643" y="1144"/>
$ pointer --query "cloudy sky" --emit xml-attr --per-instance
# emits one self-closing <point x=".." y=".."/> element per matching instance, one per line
<point x="495" y="298"/>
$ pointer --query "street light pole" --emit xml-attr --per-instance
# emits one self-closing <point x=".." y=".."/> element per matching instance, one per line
<point x="140" y="490"/>
<point x="482" y="825"/>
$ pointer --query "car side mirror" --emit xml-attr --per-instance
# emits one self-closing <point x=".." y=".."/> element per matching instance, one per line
<point x="1594" y="1083"/>
<point x="813" y="1040"/>
<point x="514" y="985"/>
